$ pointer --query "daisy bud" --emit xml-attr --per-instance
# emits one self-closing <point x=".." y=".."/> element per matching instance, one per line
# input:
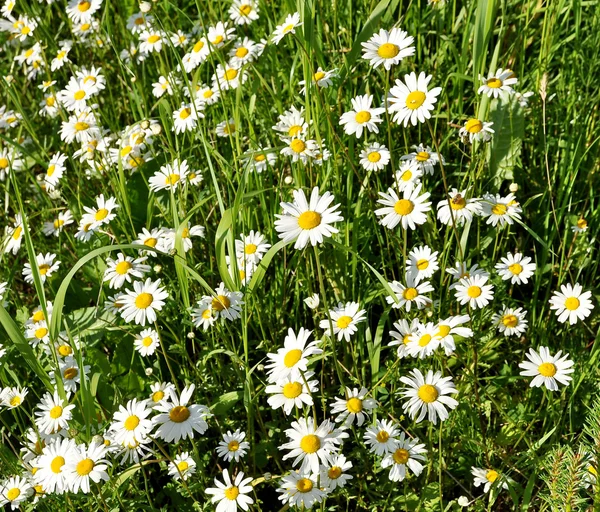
<point x="157" y="269"/>
<point x="267" y="476"/>
<point x="514" y="187"/>
<point x="97" y="439"/>
<point x="156" y="129"/>
<point x="313" y="301"/>
<point x="145" y="6"/>
<point x="191" y="335"/>
<point x="149" y="372"/>
<point x="145" y="124"/>
<point x="463" y="501"/>
<point x="133" y="78"/>
<point x="288" y="180"/>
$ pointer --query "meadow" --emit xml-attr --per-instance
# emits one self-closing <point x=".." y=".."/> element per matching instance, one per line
<point x="277" y="255"/>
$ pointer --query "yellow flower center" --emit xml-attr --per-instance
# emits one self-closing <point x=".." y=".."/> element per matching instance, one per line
<point x="510" y="321"/>
<point x="245" y="9"/>
<point x="294" y="130"/>
<point x="428" y="393"/>
<point x="304" y="485"/>
<point x="85" y="27"/>
<point x="473" y="291"/>
<point x="58" y="223"/>
<point x="171" y="179"/>
<point x="15" y="401"/>
<point x="217" y="40"/>
<point x="422" y="156"/>
<point x="458" y="202"/>
<point x="415" y="99"/>
<point x="131" y="423"/>
<point x="206" y="314"/>
<point x="231" y="493"/>
<point x="335" y="472"/>
<point x="241" y="52"/>
<point x="56" y="412"/>
<point x="319" y="75"/>
<point x="404" y="207"/>
<point x="81" y="126"/>
<point x="410" y="293"/>
<point x="250" y="248"/>
<point x="344" y="321"/>
<point x="492" y="476"/>
<point x="582" y="224"/>
<point x="147" y="341"/>
<point x="547" y="369"/>
<point x="79" y="95"/>
<point x="123" y="267"/>
<point x="57" y="464"/>
<point x="424" y="340"/>
<point x="443" y="331"/>
<point x="39" y="490"/>
<point x="515" y="268"/>
<point x="374" y="156"/>
<point x="50" y="100"/>
<point x="185" y="113"/>
<point x="382" y="436"/>
<point x="220" y="303"/>
<point x="363" y="116"/>
<point x="71" y="373"/>
<point x="40" y="333"/>
<point x="494" y="83"/>
<point x="422" y="264"/>
<point x="572" y="303"/>
<point x="179" y="414"/>
<point x="354" y="405"/>
<point x="83" y="6"/>
<point x="198" y="46"/>
<point x="310" y="443"/>
<point x="101" y="214"/>
<point x="43" y="268"/>
<point x="233" y="446"/>
<point x="292" y="357"/>
<point x="143" y="300"/>
<point x="260" y="158"/>
<point x="17" y="233"/>
<point x="292" y="389"/>
<point x="388" y="50"/>
<point x="309" y="220"/>
<point x="401" y="456"/>
<point x="38" y="316"/>
<point x="84" y="467"/>
<point x="182" y="466"/>
<point x="298" y="145"/>
<point x="151" y="242"/>
<point x="65" y="350"/>
<point x="157" y="396"/>
<point x="4" y="163"/>
<point x="288" y="28"/>
<point x="231" y="74"/>
<point x="153" y="39"/>
<point x="474" y="125"/>
<point x="29" y="53"/>
<point x="13" y="494"/>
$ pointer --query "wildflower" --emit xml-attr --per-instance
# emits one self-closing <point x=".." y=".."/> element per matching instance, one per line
<point x="547" y="370"/>
<point x="300" y="490"/>
<point x="497" y="83"/>
<point x="516" y="268"/>
<point x="422" y="263"/>
<point x="451" y="327"/>
<point x="251" y="247"/>
<point x="374" y="157"/>
<point x="141" y="303"/>
<point x="424" y="341"/>
<point x="186" y="117"/>
<point x="243" y="12"/>
<point x="292" y="359"/>
<point x="362" y="116"/>
<point x="382" y="437"/>
<point x="428" y="396"/>
<point x="53" y="414"/>
<point x="388" y="48"/>
<point x="476" y="130"/>
<point x="333" y="474"/>
<point x="87" y="463"/>
<point x="571" y="303"/>
<point x="410" y="294"/>
<point x="409" y="211"/>
<point x="103" y="214"/>
<point x="146" y="342"/>
<point x="408" y="454"/>
<point x="402" y="335"/>
<point x="123" y="269"/>
<point x="14" y="491"/>
<point x="182" y="467"/>
<point x="410" y="101"/>
<point x="474" y="291"/>
<point x="458" y="207"/>
<point x="425" y="158"/>
<point x="344" y="319"/>
<point x="46" y="265"/>
<point x="487" y="478"/>
<point x="291" y="392"/>
<point x="169" y="176"/>
<point x="287" y="27"/>
<point x="309" y="444"/>
<point x="13" y="397"/>
<point x="510" y="321"/>
<point x="233" y="446"/>
<point x="408" y="176"/>
<point x="354" y="407"/>
<point x="52" y="466"/>
<point x="131" y="423"/>
<point x="580" y="226"/>
<point x="232" y="493"/>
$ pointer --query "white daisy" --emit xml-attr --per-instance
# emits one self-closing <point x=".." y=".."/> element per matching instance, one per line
<point x="487" y="478"/>
<point x="146" y="342"/>
<point x="428" y="395"/>
<point x="409" y="211"/>
<point x="409" y="295"/>
<point x="251" y="247"/>
<point x="408" y="176"/>
<point x="14" y="491"/>
<point x="300" y="490"/>
<point x="169" y="176"/>
<point x="425" y="158"/>
<point x="131" y="423"/>
<point x="160" y="391"/>
<point x="87" y="463"/>
<point x="410" y="101"/>
<point x="309" y="444"/>
<point x="299" y="149"/>
<point x="362" y="116"/>
<point x="287" y="27"/>
<point x="510" y="321"/>
<point x="123" y="269"/>
<point x="422" y="263"/>
<point x="402" y="335"/>
<point x="423" y="343"/>
<point x="571" y="303"/>
<point x="53" y="413"/>
<point x="408" y="454"/>
<point x="56" y="227"/>
<point x="292" y="392"/>
<point x="382" y="437"/>
<point x="233" y="446"/>
<point x="344" y="319"/>
<point x="292" y="359"/>
<point x="232" y="493"/>
<point x="474" y="291"/>
<point x="52" y="466"/>
<point x="46" y="265"/>
<point x="497" y="83"/>
<point x="458" y="207"/>
<point x="182" y="467"/>
<point x="475" y="130"/>
<point x="516" y="268"/>
<point x="333" y="475"/>
<point x="451" y="327"/>
<point x="243" y="12"/>
<point x="354" y="407"/>
<point x="102" y="214"/>
<point x="141" y="303"/>
<point x="374" y="157"/>
<point x="388" y="48"/>
<point x="186" y="117"/>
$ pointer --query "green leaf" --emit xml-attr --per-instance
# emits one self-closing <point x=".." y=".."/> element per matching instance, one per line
<point x="226" y="402"/>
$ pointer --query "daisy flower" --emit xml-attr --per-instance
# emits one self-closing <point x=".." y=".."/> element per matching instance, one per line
<point x="374" y="157"/>
<point x="38" y="333"/>
<point x="354" y="407"/>
<point x="309" y="444"/>
<point x="425" y="158"/>
<point x="409" y="211"/>
<point x="423" y="343"/>
<point x="14" y="236"/>
<point x="451" y="327"/>
<point x="422" y="263"/>
<point x="291" y="392"/>
<point x="55" y="171"/>
<point x="226" y="128"/>
<point x="219" y="34"/>
<point x="13" y="397"/>
<point x="547" y="370"/>
<point x="410" y="101"/>
<point x="225" y="303"/>
<point x="299" y="149"/>
<point x="75" y="95"/>
<point x="300" y="490"/>
<point x="166" y="242"/>
<point x="580" y="226"/>
<point x="571" y="303"/>
<point x="252" y="247"/>
<point x="476" y="130"/>
<point x="202" y="315"/>
<point x="87" y="463"/>
<point x="182" y="467"/>
<point x="428" y="396"/>
<point x="500" y="210"/>
<point x="408" y="454"/>
<point x="169" y="176"/>
<point x="233" y="446"/>
<point x="409" y="295"/>
<point x="460" y="271"/>
<point x="81" y="11"/>
<point x="333" y="474"/>
<point x="230" y="76"/>
<point x="287" y="27"/>
<point x="388" y="48"/>
<point x="149" y="239"/>
<point x="151" y="41"/>
<point x="291" y="123"/>
<point x="243" y="12"/>
<point x="510" y="321"/>
<point x="131" y="423"/>
<point x="146" y="342"/>
<point x="231" y="494"/>
<point x="46" y="265"/>
<point x="243" y="52"/>
<point x="70" y="373"/>
<point x="53" y="413"/>
<point x="101" y="215"/>
<point x="402" y="335"/>
<point x="141" y="303"/>
<point x="14" y="491"/>
<point x="123" y="269"/>
<point x="55" y="227"/>
<point x="497" y="83"/>
<point x="186" y="117"/>
<point x="362" y="116"/>
<point x="344" y="319"/>
<point x="487" y="478"/>
<point x="261" y="159"/>
<point x="320" y="78"/>
<point x="176" y="420"/>
<point x="52" y="466"/>
<point x="474" y="291"/>
<point x="292" y="359"/>
<point x="408" y="176"/>
<point x="308" y="221"/>
<point x="458" y="207"/>
<point x="516" y="268"/>
<point x="382" y="437"/>
<point x="160" y="391"/>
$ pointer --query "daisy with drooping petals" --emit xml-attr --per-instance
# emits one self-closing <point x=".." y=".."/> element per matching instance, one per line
<point x="186" y="117"/>
<point x="146" y="342"/>
<point x="292" y="359"/>
<point x="487" y="478"/>
<point x="55" y="171"/>
<point x="580" y="226"/>
<point x="344" y="319"/>
<point x="422" y="263"/>
<point x="87" y="463"/>
<point x="458" y="207"/>
<point x="402" y="335"/>
<point x="409" y="211"/>
<point x="374" y="157"/>
<point x="14" y="236"/>
<point x="423" y="343"/>
<point x="182" y="467"/>
<point x="177" y="420"/>
<point x="56" y="227"/>
<point x="410" y="101"/>
<point x="428" y="396"/>
<point x="408" y="454"/>
<point x="13" y="397"/>
<point x="497" y="83"/>
<point x="309" y="444"/>
<point x="53" y="413"/>
<point x="571" y="303"/>
<point x="232" y="493"/>
<point x="15" y="491"/>
<point x="123" y="269"/>
<point x="451" y="327"/>
<point x="300" y="490"/>
<point x="141" y="303"/>
<point x="169" y="176"/>
<point x="354" y="407"/>
<point x="474" y="291"/>
<point x="333" y="474"/>
<point x="308" y="221"/>
<point x="510" y="321"/>
<point x="362" y="116"/>
<point x="292" y="392"/>
<point x="287" y="27"/>
<point x="475" y="130"/>
<point x="131" y="423"/>
<point x="409" y="295"/>
<point x="516" y="268"/>
<point x="382" y="437"/>
<point x="46" y="265"/>
<point x="546" y="369"/>
<point x="233" y="446"/>
<point x="388" y="48"/>
<point x="425" y="158"/>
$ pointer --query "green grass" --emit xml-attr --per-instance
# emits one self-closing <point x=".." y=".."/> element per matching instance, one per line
<point x="550" y="150"/>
